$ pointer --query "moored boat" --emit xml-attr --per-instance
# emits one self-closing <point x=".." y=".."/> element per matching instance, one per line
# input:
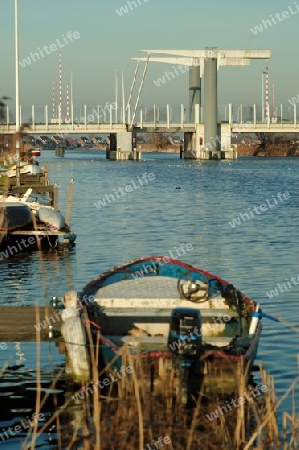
<point x="44" y="227"/>
<point x="164" y="308"/>
<point x="14" y="216"/>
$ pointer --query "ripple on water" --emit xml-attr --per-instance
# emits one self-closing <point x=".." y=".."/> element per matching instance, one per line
<point x="154" y="219"/>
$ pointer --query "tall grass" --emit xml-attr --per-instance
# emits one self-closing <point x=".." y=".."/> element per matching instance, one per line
<point x="133" y="412"/>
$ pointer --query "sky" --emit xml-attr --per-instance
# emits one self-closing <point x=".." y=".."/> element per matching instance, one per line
<point x="105" y="40"/>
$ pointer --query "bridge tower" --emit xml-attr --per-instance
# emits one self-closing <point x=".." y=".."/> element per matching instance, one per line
<point x="205" y="63"/>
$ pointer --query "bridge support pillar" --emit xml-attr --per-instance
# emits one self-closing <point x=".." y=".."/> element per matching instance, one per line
<point x="212" y="138"/>
<point x="189" y="145"/>
<point x="194" y="92"/>
<point x="123" y="147"/>
<point x="196" y="147"/>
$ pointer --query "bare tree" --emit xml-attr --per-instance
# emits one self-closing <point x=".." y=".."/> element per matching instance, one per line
<point x="158" y="140"/>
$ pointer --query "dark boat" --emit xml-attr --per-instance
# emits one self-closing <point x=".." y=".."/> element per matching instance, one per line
<point x="164" y="308"/>
<point x="15" y="216"/>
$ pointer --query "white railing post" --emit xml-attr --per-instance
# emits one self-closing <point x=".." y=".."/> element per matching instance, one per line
<point x="241" y="113"/>
<point x="110" y="115"/>
<point x="129" y="113"/>
<point x="46" y="117"/>
<point x="168" y="116"/>
<point x="59" y="116"/>
<point x="72" y="114"/>
<point x="141" y="118"/>
<point x="196" y="114"/>
<point x="254" y="115"/>
<point x="98" y="113"/>
<point x="33" y="118"/>
<point x="295" y="114"/>
<point x="281" y="115"/>
<point x="7" y="117"/>
<point x="154" y="116"/>
<point x="85" y="118"/>
<point x="230" y="113"/>
<point x="182" y="115"/>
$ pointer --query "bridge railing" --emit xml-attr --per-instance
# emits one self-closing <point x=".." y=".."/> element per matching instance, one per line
<point x="155" y="115"/>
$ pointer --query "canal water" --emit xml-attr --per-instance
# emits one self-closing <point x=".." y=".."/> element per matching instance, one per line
<point x="123" y="210"/>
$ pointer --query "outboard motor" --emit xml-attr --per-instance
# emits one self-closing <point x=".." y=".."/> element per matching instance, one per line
<point x="184" y="338"/>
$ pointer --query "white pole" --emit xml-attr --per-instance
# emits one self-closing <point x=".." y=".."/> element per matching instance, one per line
<point x="182" y="115"/>
<point x="129" y="113"/>
<point x="72" y="101"/>
<point x="281" y="114"/>
<point x="123" y="96"/>
<point x="7" y="117"/>
<point x="110" y="115"/>
<point x="116" y="96"/>
<point x="85" y="118"/>
<point x="196" y="113"/>
<point x="254" y="115"/>
<point x="154" y="116"/>
<point x="168" y="116"/>
<point x="46" y="117"/>
<point x="295" y="114"/>
<point x="17" y="96"/>
<point x="33" y="118"/>
<point x="99" y="116"/>
<point x="263" y="106"/>
<point x="230" y="113"/>
<point x="72" y="115"/>
<point x="141" y="118"/>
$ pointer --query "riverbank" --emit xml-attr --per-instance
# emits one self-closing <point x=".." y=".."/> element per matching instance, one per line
<point x="279" y="150"/>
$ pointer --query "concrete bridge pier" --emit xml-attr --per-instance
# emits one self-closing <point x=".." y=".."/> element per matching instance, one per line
<point x="195" y="146"/>
<point x="123" y="147"/>
<point x="190" y="146"/>
<point x="212" y="139"/>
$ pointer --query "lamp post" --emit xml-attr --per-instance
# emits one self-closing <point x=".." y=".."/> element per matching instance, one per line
<point x="17" y="96"/>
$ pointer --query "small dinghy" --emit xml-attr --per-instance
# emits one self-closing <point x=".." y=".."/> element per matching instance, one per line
<point x="164" y="309"/>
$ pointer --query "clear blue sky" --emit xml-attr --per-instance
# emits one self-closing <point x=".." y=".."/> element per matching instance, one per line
<point x="108" y="41"/>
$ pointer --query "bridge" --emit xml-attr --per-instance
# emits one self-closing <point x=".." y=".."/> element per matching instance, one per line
<point x="158" y="122"/>
<point x="166" y="120"/>
<point x="205" y="136"/>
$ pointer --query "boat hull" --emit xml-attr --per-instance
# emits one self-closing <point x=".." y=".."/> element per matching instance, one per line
<point x="135" y="305"/>
<point x="15" y="216"/>
<point x="50" y="217"/>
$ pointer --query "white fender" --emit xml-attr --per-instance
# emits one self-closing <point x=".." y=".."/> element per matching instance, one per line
<point x="254" y="321"/>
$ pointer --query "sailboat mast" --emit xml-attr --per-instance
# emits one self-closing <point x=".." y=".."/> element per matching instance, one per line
<point x="17" y="96"/>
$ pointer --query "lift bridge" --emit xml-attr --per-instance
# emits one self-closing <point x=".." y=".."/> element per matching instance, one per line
<point x="204" y="136"/>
